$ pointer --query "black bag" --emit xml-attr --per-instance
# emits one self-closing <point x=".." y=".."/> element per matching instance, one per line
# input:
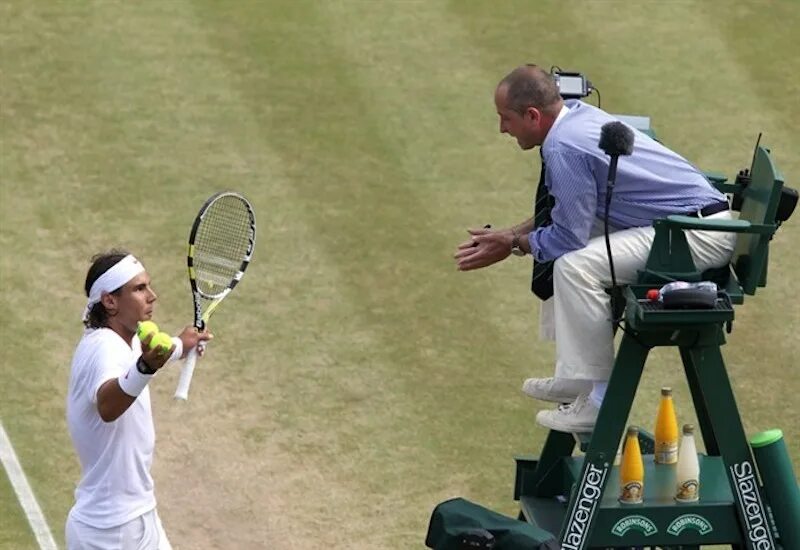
<point x="459" y="524"/>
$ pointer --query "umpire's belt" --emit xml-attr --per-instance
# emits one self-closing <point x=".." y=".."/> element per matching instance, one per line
<point x="710" y="210"/>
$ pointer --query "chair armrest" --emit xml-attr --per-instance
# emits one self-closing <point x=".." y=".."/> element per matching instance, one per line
<point x="719" y="180"/>
<point x="715" y="177"/>
<point x="730" y="226"/>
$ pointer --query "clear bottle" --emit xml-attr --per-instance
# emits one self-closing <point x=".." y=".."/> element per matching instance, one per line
<point x="666" y="430"/>
<point x="657" y="294"/>
<point x="688" y="470"/>
<point x="708" y="286"/>
<point x="631" y="471"/>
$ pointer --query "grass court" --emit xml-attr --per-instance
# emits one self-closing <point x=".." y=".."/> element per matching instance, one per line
<point x="356" y="378"/>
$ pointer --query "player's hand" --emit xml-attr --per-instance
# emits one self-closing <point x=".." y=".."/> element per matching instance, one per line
<point x="155" y="358"/>
<point x="193" y="338"/>
<point x="484" y="248"/>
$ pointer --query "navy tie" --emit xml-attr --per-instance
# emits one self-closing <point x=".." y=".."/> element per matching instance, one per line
<point x="542" y="280"/>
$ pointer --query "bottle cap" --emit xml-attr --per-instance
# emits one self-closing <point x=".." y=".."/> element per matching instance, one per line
<point x="665" y="391"/>
<point x="633" y="430"/>
<point x="688" y="429"/>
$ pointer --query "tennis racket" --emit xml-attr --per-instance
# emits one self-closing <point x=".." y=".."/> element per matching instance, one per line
<point x="220" y="247"/>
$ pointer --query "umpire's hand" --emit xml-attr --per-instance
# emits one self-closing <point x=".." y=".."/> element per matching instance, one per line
<point x="485" y="248"/>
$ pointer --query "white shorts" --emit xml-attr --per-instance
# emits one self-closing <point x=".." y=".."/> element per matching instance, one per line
<point x="142" y="533"/>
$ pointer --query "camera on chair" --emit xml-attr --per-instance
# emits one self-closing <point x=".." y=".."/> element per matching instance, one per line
<point x="571" y="85"/>
<point x="786" y="203"/>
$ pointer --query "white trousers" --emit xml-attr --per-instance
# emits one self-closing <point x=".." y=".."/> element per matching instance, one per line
<point x="578" y="316"/>
<point x="142" y="533"/>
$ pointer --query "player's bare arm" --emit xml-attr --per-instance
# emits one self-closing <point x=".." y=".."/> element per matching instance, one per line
<point x="112" y="401"/>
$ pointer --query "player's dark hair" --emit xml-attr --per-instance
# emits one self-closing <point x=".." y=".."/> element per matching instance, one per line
<point x="98" y="316"/>
<point x="530" y="86"/>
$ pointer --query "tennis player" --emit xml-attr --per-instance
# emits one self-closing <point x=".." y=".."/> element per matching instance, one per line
<point x="108" y="410"/>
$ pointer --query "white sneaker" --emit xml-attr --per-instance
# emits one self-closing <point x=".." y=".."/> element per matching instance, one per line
<point x="578" y="416"/>
<point x="557" y="390"/>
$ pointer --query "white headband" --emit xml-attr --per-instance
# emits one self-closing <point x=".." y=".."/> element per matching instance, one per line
<point x="116" y="277"/>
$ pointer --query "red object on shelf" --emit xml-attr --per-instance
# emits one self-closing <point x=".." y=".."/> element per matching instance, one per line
<point x="652" y="295"/>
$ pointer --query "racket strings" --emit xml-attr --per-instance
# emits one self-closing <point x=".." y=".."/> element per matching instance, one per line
<point x="222" y="244"/>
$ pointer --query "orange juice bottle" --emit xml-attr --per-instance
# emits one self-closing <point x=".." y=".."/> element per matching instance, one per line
<point x="631" y="471"/>
<point x="666" y="430"/>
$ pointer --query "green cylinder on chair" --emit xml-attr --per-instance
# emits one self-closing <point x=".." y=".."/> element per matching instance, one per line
<point x="780" y="484"/>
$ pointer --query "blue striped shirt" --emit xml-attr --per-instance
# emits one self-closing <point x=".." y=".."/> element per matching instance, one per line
<point x="652" y="183"/>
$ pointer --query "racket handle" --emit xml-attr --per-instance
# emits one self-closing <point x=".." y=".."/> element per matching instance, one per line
<point x="186" y="375"/>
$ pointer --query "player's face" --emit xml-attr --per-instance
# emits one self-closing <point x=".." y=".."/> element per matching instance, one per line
<point x="135" y="302"/>
<point x="525" y="127"/>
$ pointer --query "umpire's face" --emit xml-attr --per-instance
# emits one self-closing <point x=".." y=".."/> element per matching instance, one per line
<point x="526" y="127"/>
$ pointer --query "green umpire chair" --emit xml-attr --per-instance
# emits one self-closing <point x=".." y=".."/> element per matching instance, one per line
<point x="575" y="497"/>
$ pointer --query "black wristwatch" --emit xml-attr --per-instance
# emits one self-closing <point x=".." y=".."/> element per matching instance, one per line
<point x="143" y="367"/>
<point x="516" y="249"/>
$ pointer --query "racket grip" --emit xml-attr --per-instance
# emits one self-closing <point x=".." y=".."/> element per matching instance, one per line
<point x="185" y="380"/>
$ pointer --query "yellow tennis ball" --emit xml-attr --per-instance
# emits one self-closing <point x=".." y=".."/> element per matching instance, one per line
<point x="162" y="341"/>
<point x="146" y="328"/>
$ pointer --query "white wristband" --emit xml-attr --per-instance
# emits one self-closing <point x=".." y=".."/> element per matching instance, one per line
<point x="134" y="382"/>
<point x="178" y="349"/>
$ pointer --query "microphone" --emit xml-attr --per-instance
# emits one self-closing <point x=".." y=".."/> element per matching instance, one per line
<point x="615" y="139"/>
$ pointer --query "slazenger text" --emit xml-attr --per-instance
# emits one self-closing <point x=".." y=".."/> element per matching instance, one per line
<point x="588" y="496"/>
<point x="757" y="530"/>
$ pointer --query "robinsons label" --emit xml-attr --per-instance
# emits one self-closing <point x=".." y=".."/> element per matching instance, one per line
<point x="639" y="523"/>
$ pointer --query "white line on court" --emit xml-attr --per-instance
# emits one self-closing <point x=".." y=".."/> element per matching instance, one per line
<point x="24" y="493"/>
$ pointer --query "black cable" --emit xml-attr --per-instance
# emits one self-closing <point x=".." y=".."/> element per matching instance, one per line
<point x="616" y="321"/>
<point x="615" y="139"/>
<point x="599" y="102"/>
<point x="609" y="191"/>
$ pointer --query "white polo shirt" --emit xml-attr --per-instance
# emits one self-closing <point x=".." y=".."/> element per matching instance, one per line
<point x="116" y="485"/>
